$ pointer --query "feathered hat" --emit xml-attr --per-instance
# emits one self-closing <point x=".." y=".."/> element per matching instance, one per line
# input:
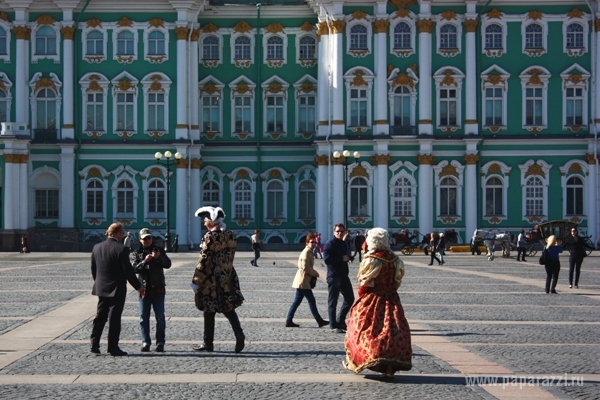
<point x="215" y="214"/>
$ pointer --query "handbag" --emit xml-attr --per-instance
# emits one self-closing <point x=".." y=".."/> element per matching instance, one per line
<point x="313" y="282"/>
<point x="543" y="257"/>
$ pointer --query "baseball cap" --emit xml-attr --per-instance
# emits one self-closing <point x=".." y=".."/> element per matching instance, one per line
<point x="145" y="233"/>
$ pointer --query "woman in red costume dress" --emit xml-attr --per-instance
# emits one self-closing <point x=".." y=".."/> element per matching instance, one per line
<point x="378" y="335"/>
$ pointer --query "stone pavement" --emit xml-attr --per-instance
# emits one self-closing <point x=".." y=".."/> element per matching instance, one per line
<point x="480" y="330"/>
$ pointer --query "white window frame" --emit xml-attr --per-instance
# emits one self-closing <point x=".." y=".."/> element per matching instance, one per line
<point x="36" y="57"/>
<point x="156" y="58"/>
<point x="160" y="191"/>
<point x="305" y="174"/>
<point x="210" y="87"/>
<point x="266" y="86"/>
<point x="53" y="83"/>
<point x="249" y="177"/>
<point x="51" y="181"/>
<point x="86" y="28"/>
<point x="242" y="63"/>
<point x="307" y="62"/>
<point x="576" y="51"/>
<point x="234" y="89"/>
<point x="487" y="21"/>
<point x="156" y="82"/>
<point x="534" y="52"/>
<point x="211" y="174"/>
<point x="535" y="77"/>
<point x="362" y="79"/>
<point x="495" y="78"/>
<point x="500" y="170"/>
<point x="283" y="178"/>
<point x="115" y="188"/>
<point x="125" y="59"/>
<point x="7" y="28"/>
<point x="541" y="171"/>
<point x="94" y="218"/>
<point x="132" y="88"/>
<point x="5" y="86"/>
<point x="459" y="180"/>
<point x="96" y="83"/>
<point x="275" y="62"/>
<point x="406" y="79"/>
<point x="410" y="21"/>
<point x="442" y="82"/>
<point x="305" y="87"/>
<point x="455" y="20"/>
<point x="155" y="172"/>
<point x="582" y="82"/>
<point x="211" y="63"/>
<point x="580" y="169"/>
<point x="403" y="169"/>
<point x="365" y="21"/>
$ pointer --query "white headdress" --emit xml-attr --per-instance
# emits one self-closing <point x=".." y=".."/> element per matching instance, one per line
<point x="213" y="214"/>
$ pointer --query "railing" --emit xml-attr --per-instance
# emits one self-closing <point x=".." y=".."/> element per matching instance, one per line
<point x="403" y="130"/>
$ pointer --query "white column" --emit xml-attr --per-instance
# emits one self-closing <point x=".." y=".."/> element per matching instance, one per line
<point x="381" y="192"/>
<point x="195" y="198"/>
<point x="470" y="203"/>
<point x="181" y="130"/>
<point x="381" y="125"/>
<point x="337" y="195"/>
<point x="425" y="194"/>
<point x="68" y="128"/>
<point x="193" y="87"/>
<point x="21" y="80"/>
<point x="10" y="169"/>
<point x="425" y="106"/>
<point x="181" y="202"/>
<point x="592" y="201"/>
<point x="23" y="195"/>
<point x="337" y="72"/>
<point x="67" y="187"/>
<point x="597" y="74"/>
<point x="322" y="200"/>
<point x="323" y="79"/>
<point x="471" y="126"/>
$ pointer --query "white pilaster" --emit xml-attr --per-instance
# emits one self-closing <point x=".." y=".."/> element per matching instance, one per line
<point x="323" y="80"/>
<point x="322" y="201"/>
<point x="470" y="199"/>
<point x="68" y="129"/>
<point x="471" y="126"/>
<point x="22" y="67"/>
<point x="193" y="88"/>
<point x="23" y="189"/>
<point x="9" y="189"/>
<point x="592" y="200"/>
<point x="381" y="124"/>
<point x="181" y="130"/>
<point x="182" y="216"/>
<point x="425" y="106"/>
<point x="338" y="195"/>
<point x="66" y="212"/>
<point x="597" y="74"/>
<point x="337" y="73"/>
<point x="382" y="196"/>
<point x="195" y="197"/>
<point x="426" y="208"/>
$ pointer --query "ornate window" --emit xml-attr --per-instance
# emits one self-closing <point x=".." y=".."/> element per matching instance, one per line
<point x="211" y="194"/>
<point x="3" y="106"/>
<point x="403" y="31"/>
<point x="358" y="37"/>
<point x="94" y="44"/>
<point x="449" y="186"/>
<point x="494" y="37"/>
<point x="275" y="201"/>
<point x="402" y="105"/>
<point x="448" y="82"/>
<point x="448" y="194"/>
<point x="573" y="179"/>
<point x="576" y="33"/>
<point x="494" y="197"/>
<point x="156" y="40"/>
<point x="157" y="195"/>
<point x="44" y="195"/>
<point x="402" y="36"/>
<point x="574" y="197"/>
<point x="534" y="182"/>
<point x="359" y="33"/>
<point x="402" y="100"/>
<point x="494" y="82"/>
<point x="93" y="189"/>
<point x="210" y="48"/>
<point x="359" y="83"/>
<point x="45" y="42"/>
<point x="5" y="98"/>
<point x="448" y="37"/>
<point x="534" y="32"/>
<point x="358" y="203"/>
<point x="307" y="48"/>
<point x="46" y="203"/>
<point x="533" y="37"/>
<point x="156" y="100"/>
<point x="3" y="42"/>
<point x="574" y="36"/>
<point x="242" y="200"/>
<point x="45" y="105"/>
<point x="493" y="34"/>
<point x="156" y="43"/>
<point x="125" y="199"/>
<point x="575" y="97"/>
<point x="94" y="38"/>
<point x="306" y="200"/>
<point x="306" y="106"/>
<point x="242" y="99"/>
<point x="275" y="108"/>
<point x="403" y="191"/>
<point x="242" y="48"/>
<point x="274" y="48"/>
<point x="211" y="111"/>
<point x="94" y="88"/>
<point x="125" y="43"/>
<point x="94" y="205"/>
<point x="125" y="105"/>
<point x="211" y="43"/>
<point x="125" y="39"/>
<point x="534" y="85"/>
<point x="449" y="33"/>
<point x="494" y="185"/>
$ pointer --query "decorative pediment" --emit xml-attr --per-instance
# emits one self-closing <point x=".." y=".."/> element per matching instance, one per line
<point x="125" y="22"/>
<point x="242" y="27"/>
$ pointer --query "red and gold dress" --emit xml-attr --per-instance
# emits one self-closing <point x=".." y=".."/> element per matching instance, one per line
<point x="378" y="335"/>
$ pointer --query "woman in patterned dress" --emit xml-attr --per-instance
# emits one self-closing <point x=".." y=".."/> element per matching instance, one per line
<point x="218" y="287"/>
<point x="378" y="335"/>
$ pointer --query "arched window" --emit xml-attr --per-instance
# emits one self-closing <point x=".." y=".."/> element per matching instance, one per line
<point x="210" y="48"/>
<point x="94" y="44"/>
<point x="242" y="48"/>
<point x="156" y="43"/>
<point x="448" y="193"/>
<point x="156" y="111"/>
<point x="306" y="200"/>
<point x="493" y="36"/>
<point x="3" y="42"/>
<point x="493" y="196"/>
<point x="358" y="37"/>
<point x="448" y="39"/>
<point x="156" y="197"/>
<point x="275" y="200"/>
<point x="534" y="197"/>
<point x="574" y="196"/>
<point x="574" y="36"/>
<point x="359" y="198"/>
<point x="403" y="198"/>
<point x="125" y="198"/>
<point x="242" y="202"/>
<point x="3" y="106"/>
<point x="45" y="41"/>
<point x="94" y="197"/>
<point x="402" y="36"/>
<point x="533" y="36"/>
<point x="401" y="115"/>
<point x="211" y="194"/>
<point x="275" y="48"/>
<point x="125" y="43"/>
<point x="46" y="109"/>
<point x="307" y="48"/>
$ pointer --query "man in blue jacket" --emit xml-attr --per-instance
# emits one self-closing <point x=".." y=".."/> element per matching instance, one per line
<point x="336" y="254"/>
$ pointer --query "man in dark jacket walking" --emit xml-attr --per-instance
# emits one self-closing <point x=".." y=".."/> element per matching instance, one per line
<point x="150" y="263"/>
<point x="577" y="252"/>
<point x="337" y="258"/>
<point x="111" y="270"/>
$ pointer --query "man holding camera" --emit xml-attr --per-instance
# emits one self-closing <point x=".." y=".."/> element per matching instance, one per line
<point x="150" y="263"/>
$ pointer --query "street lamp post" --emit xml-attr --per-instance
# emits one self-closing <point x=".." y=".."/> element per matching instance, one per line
<point x="167" y="163"/>
<point x="345" y="161"/>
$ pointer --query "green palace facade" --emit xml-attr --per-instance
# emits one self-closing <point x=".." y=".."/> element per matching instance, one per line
<point x="296" y="115"/>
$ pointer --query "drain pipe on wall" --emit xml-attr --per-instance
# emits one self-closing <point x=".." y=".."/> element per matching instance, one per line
<point x="330" y="222"/>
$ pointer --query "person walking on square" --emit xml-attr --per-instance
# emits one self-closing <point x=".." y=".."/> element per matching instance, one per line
<point x="127" y="241"/>
<point x="521" y="246"/>
<point x="175" y="245"/>
<point x="256" y="247"/>
<point x="111" y="270"/>
<point x="24" y="248"/>
<point x="442" y="248"/>
<point x="358" y="243"/>
<point x="301" y="282"/>
<point x="378" y="336"/>
<point x="552" y="264"/>
<point x="577" y="252"/>
<point x="216" y="281"/>
<point x="150" y="263"/>
<point x="336" y="259"/>
<point x="433" y="248"/>
<point x="318" y="251"/>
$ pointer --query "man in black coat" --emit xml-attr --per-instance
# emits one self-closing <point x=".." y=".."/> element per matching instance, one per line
<point x="111" y="270"/>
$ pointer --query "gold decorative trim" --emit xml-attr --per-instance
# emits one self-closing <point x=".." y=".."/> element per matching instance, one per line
<point x="68" y="126"/>
<point x="196" y="163"/>
<point x="94" y="59"/>
<point x="124" y="134"/>
<point x="381" y="122"/>
<point x="494" y="52"/>
<point x="93" y="23"/>
<point x="535" y="169"/>
<point x="94" y="134"/>
<point x="4" y="16"/>
<point x="535" y="15"/>
<point x="45" y="82"/>
<point x="495" y="169"/>
<point x="307" y="26"/>
<point x="403" y="53"/>
<point x="449" y="129"/>
<point x="382" y="159"/>
<point x="449" y="220"/>
<point x="156" y="134"/>
<point x="495" y="14"/>
<point x="380" y="26"/>
<point x="242" y="27"/>
<point x="448" y="15"/>
<point x="274" y="135"/>
<point x="337" y="122"/>
<point x="575" y="168"/>
<point x="575" y="13"/>
<point x="449" y="52"/>
<point x="181" y="163"/>
<point x="426" y="159"/>
<point x="359" y="220"/>
<point x="68" y="32"/>
<point x="125" y="85"/>
<point x="274" y="27"/>
<point x="576" y="52"/>
<point x="124" y="22"/>
<point x="471" y="159"/>
<point x="402" y="13"/>
<point x="210" y="88"/>
<point x="535" y="219"/>
<point x="308" y="63"/>
<point x="242" y="88"/>
<point x="321" y="160"/>
<point x="402" y="3"/>
<point x="535" y="52"/>
<point x="358" y="14"/>
<point x="156" y="59"/>
<point x="425" y="25"/>
<point x="337" y="26"/>
<point x="590" y="158"/>
<point x="359" y="170"/>
<point x="448" y="170"/>
<point x="359" y="53"/>
<point x="403" y="80"/>
<point x="425" y="122"/>
<point x="210" y="28"/>
<point x="275" y="63"/>
<point x="470" y="121"/>
<point x="45" y="19"/>
<point x="181" y="126"/>
<point x="22" y="32"/>
<point x="243" y="63"/>
<point x="322" y="29"/>
<point x="182" y="32"/>
<point x="495" y="80"/>
<point x="156" y="23"/>
<point x="124" y="59"/>
<point x="210" y="63"/>
<point x="471" y="25"/>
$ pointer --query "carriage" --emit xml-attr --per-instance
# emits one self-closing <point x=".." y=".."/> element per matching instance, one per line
<point x="408" y="243"/>
<point x="559" y="228"/>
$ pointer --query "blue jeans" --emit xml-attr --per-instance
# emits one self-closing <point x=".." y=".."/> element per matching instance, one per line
<point x="312" y="304"/>
<point x="335" y="286"/>
<point x="158" y="304"/>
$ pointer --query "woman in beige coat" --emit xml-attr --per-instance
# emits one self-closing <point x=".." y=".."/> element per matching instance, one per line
<point x="302" y="284"/>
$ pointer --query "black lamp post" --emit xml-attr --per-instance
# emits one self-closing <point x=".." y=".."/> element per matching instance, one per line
<point x="167" y="163"/>
<point x="346" y="161"/>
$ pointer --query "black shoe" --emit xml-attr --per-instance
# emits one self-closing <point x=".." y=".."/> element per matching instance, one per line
<point x="118" y="353"/>
<point x="145" y="348"/>
<point x="251" y="262"/>
<point x="239" y="343"/>
<point x="323" y="323"/>
<point x="338" y="330"/>
<point x="160" y="348"/>
<point x="553" y="292"/>
<point x="524" y="260"/>
<point x="95" y="350"/>
<point x="291" y="325"/>
<point x="429" y="264"/>
<point x="203" y="347"/>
